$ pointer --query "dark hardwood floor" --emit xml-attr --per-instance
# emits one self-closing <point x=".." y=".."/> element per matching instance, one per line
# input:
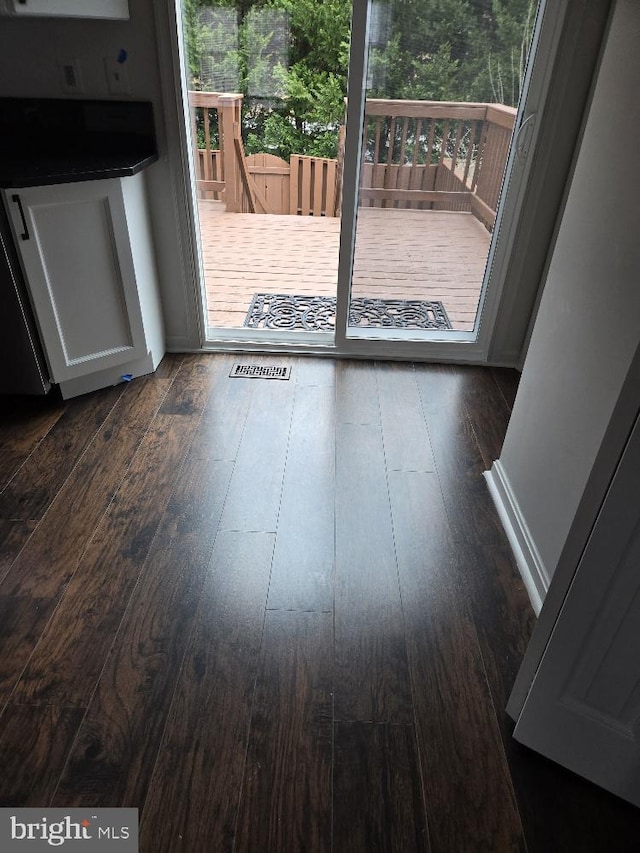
<point x="275" y="615"/>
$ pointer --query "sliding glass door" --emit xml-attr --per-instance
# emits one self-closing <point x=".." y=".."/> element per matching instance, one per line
<point x="375" y="231"/>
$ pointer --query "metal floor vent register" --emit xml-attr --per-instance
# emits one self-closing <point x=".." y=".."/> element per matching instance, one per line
<point x="259" y="371"/>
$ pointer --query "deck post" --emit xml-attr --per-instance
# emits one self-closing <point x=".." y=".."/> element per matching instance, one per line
<point x="229" y="122"/>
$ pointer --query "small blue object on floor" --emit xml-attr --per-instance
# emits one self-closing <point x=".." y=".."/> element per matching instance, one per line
<point x="318" y="313"/>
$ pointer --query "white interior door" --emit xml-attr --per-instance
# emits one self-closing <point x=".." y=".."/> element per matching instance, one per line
<point x="583" y="709"/>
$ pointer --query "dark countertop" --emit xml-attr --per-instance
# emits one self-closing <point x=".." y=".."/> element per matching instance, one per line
<point x="56" y="140"/>
<point x="21" y="173"/>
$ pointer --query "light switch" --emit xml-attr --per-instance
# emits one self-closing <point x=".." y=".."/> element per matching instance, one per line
<point x="117" y="76"/>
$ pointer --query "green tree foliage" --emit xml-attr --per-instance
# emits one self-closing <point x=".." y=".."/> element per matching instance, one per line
<point x="456" y="50"/>
<point x="513" y="21"/>
<point x="290" y="58"/>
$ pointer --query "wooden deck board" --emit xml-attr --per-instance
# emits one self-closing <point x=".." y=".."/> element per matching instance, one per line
<point x="400" y="254"/>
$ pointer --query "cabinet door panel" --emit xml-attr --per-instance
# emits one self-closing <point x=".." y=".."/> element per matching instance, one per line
<point x="81" y="277"/>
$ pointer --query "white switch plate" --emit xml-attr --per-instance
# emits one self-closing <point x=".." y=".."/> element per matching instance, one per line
<point x="117" y="76"/>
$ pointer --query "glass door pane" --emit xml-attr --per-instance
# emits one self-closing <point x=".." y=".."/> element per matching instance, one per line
<point x="442" y="83"/>
<point x="265" y="87"/>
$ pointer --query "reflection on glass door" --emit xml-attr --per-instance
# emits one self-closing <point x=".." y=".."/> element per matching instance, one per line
<point x="265" y="86"/>
<point x="442" y="87"/>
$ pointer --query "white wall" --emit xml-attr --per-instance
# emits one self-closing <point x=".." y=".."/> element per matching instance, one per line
<point x="29" y="54"/>
<point x="588" y="325"/>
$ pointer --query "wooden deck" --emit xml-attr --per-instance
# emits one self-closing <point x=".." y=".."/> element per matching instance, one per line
<point x="400" y="254"/>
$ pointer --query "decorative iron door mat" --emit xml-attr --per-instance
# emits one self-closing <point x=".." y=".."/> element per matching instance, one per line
<point x="318" y="313"/>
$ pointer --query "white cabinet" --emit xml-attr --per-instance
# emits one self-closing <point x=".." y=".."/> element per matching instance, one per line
<point x="88" y="259"/>
<point x="116" y="9"/>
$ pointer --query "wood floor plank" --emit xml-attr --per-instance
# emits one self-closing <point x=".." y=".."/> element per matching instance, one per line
<point x="24" y="421"/>
<point x="254" y="494"/>
<point x="316" y="371"/>
<point x="114" y="755"/>
<point x="65" y="665"/>
<point x="508" y="381"/>
<point x="504" y="622"/>
<point x="13" y="537"/>
<point x="45" y="566"/>
<point x="34" y="743"/>
<point x="224" y="417"/>
<point x="378" y="800"/>
<point x="406" y="439"/>
<point x="10" y="464"/>
<point x="356" y="393"/>
<point x="465" y="769"/>
<point x="115" y="752"/>
<point x="194" y="793"/>
<point x="36" y="483"/>
<point x="459" y="463"/>
<point x="22" y="621"/>
<point x="191" y="386"/>
<point x="503" y="617"/>
<point x="169" y="365"/>
<point x="487" y="410"/>
<point x="286" y="795"/>
<point x="372" y="677"/>
<point x="303" y="561"/>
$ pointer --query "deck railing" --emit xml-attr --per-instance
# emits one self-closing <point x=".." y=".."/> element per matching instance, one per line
<point x="417" y="154"/>
<point x="217" y="168"/>
<point x="435" y="155"/>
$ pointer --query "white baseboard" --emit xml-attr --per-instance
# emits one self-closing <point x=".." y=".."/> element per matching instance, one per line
<point x="530" y="564"/>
